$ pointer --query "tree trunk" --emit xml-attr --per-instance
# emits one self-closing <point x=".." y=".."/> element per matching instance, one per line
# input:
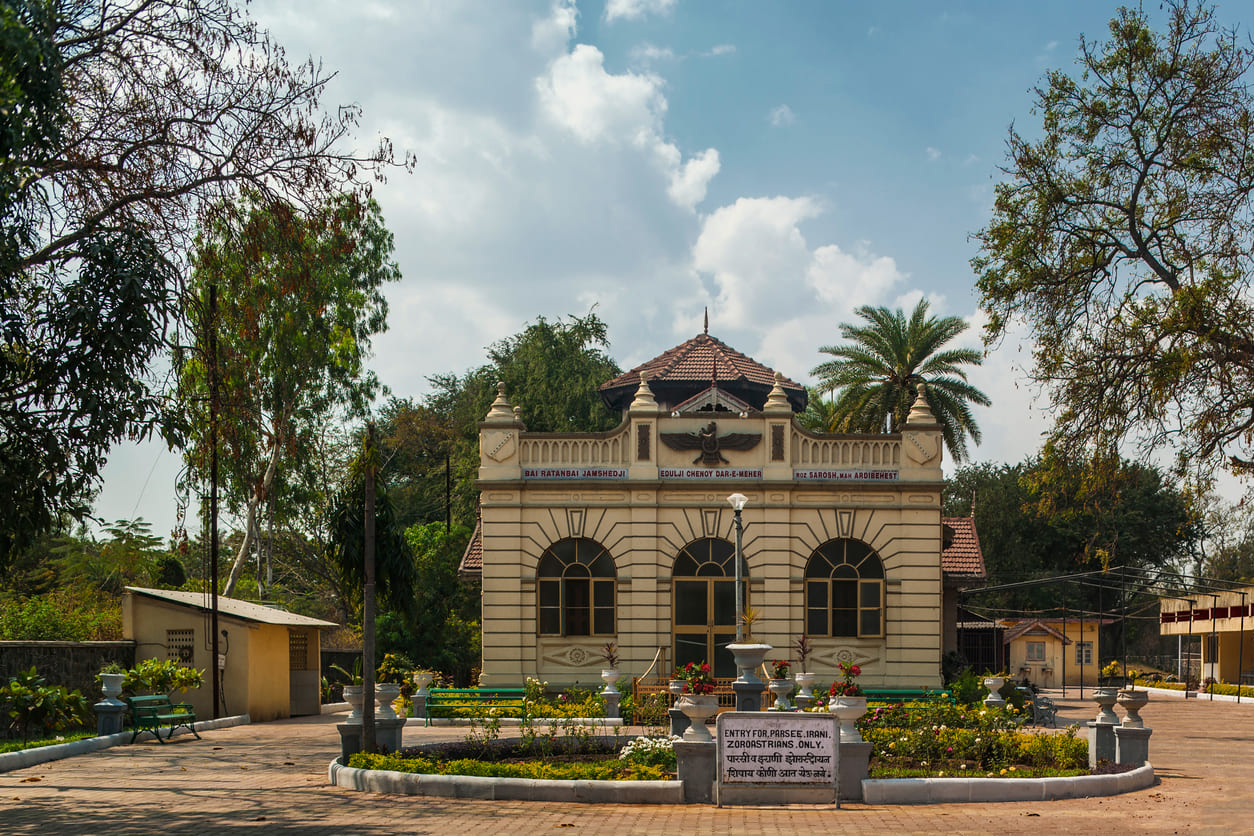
<point x="254" y="502"/>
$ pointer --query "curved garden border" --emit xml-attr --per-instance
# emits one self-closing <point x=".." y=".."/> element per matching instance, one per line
<point x="874" y="791"/>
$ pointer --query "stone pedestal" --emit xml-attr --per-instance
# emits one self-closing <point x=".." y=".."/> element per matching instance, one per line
<point x="1101" y="743"/>
<point x="748" y="695"/>
<point x="109" y="716"/>
<point x="611" y="704"/>
<point x="387" y="733"/>
<point x="1132" y="744"/>
<point x="419" y="701"/>
<point x="387" y="736"/>
<point x="679" y="722"/>
<point x="695" y="765"/>
<point x="854" y="765"/>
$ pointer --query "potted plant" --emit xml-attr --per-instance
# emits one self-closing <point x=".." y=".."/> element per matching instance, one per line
<point x="697" y="700"/>
<point x="1133" y="701"/>
<point x="846" y="700"/>
<point x="353" y="690"/>
<point x="111" y="677"/>
<point x="804" y="678"/>
<point x="994" y="683"/>
<point x="609" y="674"/>
<point x="780" y="684"/>
<point x="422" y="678"/>
<point x="749" y="654"/>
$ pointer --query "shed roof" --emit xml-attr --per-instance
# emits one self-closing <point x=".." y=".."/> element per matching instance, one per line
<point x="233" y="607"/>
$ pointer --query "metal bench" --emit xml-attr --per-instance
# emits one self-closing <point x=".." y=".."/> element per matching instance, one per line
<point x="477" y="698"/>
<point x="1044" y="712"/>
<point x="155" y="712"/>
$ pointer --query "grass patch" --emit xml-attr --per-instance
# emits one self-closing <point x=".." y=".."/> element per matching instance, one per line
<point x="18" y="746"/>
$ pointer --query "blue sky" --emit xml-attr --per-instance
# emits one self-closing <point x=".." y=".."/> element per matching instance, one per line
<point x="779" y="163"/>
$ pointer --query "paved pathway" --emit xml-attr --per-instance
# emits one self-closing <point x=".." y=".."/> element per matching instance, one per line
<point x="271" y="777"/>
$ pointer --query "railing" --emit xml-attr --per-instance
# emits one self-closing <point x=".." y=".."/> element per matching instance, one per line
<point x="643" y="687"/>
<point x="563" y="451"/>
<point x="845" y="452"/>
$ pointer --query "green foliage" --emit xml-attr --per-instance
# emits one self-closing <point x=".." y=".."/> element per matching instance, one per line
<point x="876" y="375"/>
<point x="161" y="676"/>
<point x="37" y="743"/>
<point x="36" y="708"/>
<point x="129" y="557"/>
<point x="966" y="687"/>
<point x="650" y="751"/>
<point x="1123" y="238"/>
<point x="168" y="573"/>
<point x="610" y="769"/>
<point x="66" y="614"/>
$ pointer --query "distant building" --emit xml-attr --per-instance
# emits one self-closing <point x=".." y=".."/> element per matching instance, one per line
<point x="627" y="535"/>
<point x="1223" y="623"/>
<point x="1052" y="652"/>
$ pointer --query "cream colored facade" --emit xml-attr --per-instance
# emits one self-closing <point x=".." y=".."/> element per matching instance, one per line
<point x="1052" y="652"/>
<point x="271" y="669"/>
<point x="644" y="502"/>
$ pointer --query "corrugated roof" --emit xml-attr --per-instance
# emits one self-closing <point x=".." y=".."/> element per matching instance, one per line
<point x="689" y="368"/>
<point x="233" y="607"/>
<point x="962" y="558"/>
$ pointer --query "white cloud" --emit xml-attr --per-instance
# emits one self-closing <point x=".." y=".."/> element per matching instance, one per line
<point x="636" y="9"/>
<point x="650" y="54"/>
<point x="551" y="34"/>
<point x="933" y="154"/>
<point x="782" y="115"/>
<point x="626" y="109"/>
<point x="719" y="49"/>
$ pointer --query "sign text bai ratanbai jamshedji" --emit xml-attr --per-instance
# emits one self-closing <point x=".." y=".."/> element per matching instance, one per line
<point x="779" y="757"/>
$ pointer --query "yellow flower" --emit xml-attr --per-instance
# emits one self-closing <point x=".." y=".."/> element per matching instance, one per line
<point x="1003" y="772"/>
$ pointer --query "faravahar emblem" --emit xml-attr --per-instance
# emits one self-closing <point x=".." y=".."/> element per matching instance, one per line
<point x="710" y="443"/>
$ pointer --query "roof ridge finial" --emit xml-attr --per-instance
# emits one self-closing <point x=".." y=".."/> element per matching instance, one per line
<point x="707" y="320"/>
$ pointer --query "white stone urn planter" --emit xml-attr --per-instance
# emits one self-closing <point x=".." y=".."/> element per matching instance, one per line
<point x="698" y="708"/>
<point x="805" y="681"/>
<point x="1133" y="701"/>
<point x="994" y="684"/>
<point x="1105" y="699"/>
<point x="354" y="697"/>
<point x="422" y="679"/>
<point x="781" y="688"/>
<point x="386" y="693"/>
<point x="111" y="684"/>
<point x="610" y="677"/>
<point x="748" y="659"/>
<point x="848" y="710"/>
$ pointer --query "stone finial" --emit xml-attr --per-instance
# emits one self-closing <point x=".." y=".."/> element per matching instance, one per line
<point x="777" y="401"/>
<point x="920" y="412"/>
<point x="501" y="411"/>
<point x="644" y="401"/>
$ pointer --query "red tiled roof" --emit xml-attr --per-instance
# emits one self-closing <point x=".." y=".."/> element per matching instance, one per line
<point x="472" y="558"/>
<point x="962" y="558"/>
<point x="692" y="365"/>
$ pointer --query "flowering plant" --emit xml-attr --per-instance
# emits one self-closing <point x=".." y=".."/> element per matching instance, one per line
<point x="847" y="688"/>
<point x="779" y="669"/>
<point x="697" y="679"/>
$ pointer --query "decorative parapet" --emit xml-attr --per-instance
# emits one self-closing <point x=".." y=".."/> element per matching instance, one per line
<point x="810" y="451"/>
<point x="554" y="450"/>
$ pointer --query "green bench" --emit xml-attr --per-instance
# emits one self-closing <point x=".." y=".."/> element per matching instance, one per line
<point x="907" y="695"/>
<point x="155" y="712"/>
<point x="477" y="698"/>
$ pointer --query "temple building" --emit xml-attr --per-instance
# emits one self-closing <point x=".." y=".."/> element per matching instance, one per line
<point x="627" y="536"/>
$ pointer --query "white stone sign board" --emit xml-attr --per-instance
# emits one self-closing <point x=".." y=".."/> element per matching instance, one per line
<point x="777" y="748"/>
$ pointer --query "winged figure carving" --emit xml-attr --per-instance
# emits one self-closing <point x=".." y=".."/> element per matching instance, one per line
<point x="710" y="443"/>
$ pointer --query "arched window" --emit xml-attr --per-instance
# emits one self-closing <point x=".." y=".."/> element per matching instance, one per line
<point x="845" y="590"/>
<point x="703" y="604"/>
<point x="575" y="589"/>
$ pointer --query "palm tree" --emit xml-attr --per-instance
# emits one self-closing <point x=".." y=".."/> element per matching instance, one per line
<point x="876" y="374"/>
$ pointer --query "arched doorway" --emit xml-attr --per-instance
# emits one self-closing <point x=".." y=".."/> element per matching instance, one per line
<point x="703" y="605"/>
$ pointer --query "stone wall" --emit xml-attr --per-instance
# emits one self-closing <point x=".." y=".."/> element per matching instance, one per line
<point x="72" y="664"/>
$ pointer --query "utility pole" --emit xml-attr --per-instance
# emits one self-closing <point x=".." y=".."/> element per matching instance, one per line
<point x="215" y="671"/>
<point x="368" y="607"/>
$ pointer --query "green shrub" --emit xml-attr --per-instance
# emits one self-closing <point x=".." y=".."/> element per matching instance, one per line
<point x="650" y="751"/>
<point x="66" y="614"/>
<point x="161" y="676"/>
<point x="607" y="770"/>
<point x="34" y="707"/>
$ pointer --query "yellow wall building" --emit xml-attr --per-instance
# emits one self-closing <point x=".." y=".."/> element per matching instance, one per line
<point x="628" y="536"/>
<point x="272" y="657"/>
<point x="1223" y="624"/>
<point x="1051" y="652"/>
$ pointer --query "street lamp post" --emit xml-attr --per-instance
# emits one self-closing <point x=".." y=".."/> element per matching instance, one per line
<point x="738" y="501"/>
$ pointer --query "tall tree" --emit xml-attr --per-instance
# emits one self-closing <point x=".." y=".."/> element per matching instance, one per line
<point x="121" y="125"/>
<point x="876" y="374"/>
<point x="301" y="298"/>
<point x="1124" y="238"/>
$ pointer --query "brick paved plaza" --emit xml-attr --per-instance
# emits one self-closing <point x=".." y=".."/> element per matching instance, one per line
<point x="272" y="777"/>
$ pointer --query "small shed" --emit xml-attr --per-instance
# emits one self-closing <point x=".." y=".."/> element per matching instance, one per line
<point x="1051" y="652"/>
<point x="269" y="658"/>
